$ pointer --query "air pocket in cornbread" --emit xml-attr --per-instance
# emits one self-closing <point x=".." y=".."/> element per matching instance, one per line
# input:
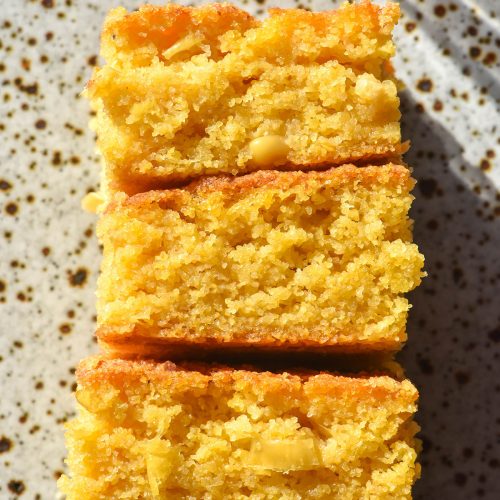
<point x="270" y="259"/>
<point x="160" y="431"/>
<point x="187" y="91"/>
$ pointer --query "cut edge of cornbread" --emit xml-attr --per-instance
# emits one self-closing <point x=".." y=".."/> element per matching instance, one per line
<point x="144" y="150"/>
<point x="127" y="224"/>
<point x="160" y="430"/>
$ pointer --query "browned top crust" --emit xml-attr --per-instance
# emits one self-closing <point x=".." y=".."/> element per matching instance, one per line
<point x="183" y="377"/>
<point x="234" y="188"/>
<point x="163" y="26"/>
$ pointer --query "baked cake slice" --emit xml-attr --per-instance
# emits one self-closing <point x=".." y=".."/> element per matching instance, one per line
<point x="160" y="431"/>
<point x="188" y="91"/>
<point x="315" y="260"/>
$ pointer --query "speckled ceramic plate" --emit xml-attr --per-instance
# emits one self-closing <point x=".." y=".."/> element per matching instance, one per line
<point x="449" y="61"/>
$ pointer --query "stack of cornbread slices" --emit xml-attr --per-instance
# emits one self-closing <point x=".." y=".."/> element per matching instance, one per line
<point x="253" y="200"/>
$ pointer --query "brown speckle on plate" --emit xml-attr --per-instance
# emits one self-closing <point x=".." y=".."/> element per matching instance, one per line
<point x="16" y="486"/>
<point x="78" y="278"/>
<point x="5" y="444"/>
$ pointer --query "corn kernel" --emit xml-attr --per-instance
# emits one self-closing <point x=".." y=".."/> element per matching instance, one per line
<point x="92" y="202"/>
<point x="269" y="150"/>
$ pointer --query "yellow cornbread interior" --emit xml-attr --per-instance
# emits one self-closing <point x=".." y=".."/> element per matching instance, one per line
<point x="265" y="437"/>
<point x="318" y="257"/>
<point x="186" y="91"/>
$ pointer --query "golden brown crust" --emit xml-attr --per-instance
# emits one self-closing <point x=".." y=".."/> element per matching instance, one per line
<point x="382" y="17"/>
<point x="339" y="176"/>
<point x="99" y="369"/>
<point x="127" y="182"/>
<point x="237" y="187"/>
<point x="131" y="339"/>
<point x="164" y="25"/>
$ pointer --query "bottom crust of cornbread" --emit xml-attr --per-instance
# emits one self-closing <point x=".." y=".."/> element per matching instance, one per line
<point x="134" y="345"/>
<point x="157" y="430"/>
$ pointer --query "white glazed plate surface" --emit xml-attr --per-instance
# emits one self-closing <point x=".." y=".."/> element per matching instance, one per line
<point x="448" y="58"/>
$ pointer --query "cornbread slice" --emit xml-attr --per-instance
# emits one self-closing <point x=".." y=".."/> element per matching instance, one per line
<point x="158" y="431"/>
<point x="187" y="91"/>
<point x="270" y="259"/>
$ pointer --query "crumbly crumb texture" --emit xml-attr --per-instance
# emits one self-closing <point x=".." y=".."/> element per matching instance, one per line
<point x="156" y="431"/>
<point x="188" y="91"/>
<point x="271" y="258"/>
